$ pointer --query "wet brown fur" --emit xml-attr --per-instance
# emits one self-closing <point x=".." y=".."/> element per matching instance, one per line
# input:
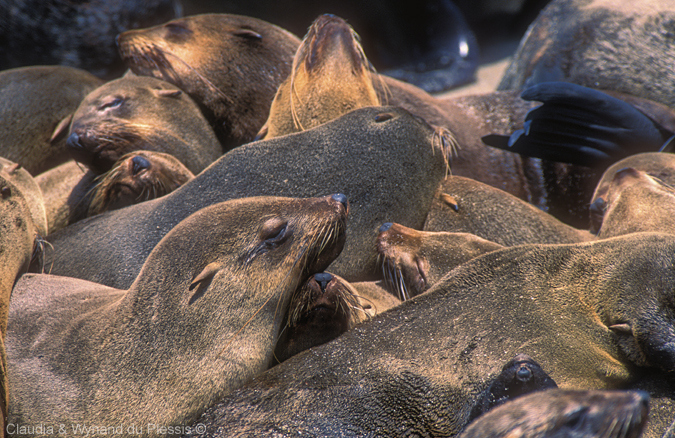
<point x="141" y="113"/>
<point x="231" y="65"/>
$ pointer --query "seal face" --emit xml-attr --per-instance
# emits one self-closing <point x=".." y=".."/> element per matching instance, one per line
<point x="321" y="309"/>
<point x="330" y="76"/>
<point x="200" y="319"/>
<point x="413" y="261"/>
<point x="136" y="177"/>
<point x="140" y="113"/>
<point x="521" y="375"/>
<point x="557" y="412"/>
<point x="640" y="198"/>
<point x="230" y="65"/>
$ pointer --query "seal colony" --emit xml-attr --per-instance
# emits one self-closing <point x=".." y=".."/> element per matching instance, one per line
<point x="271" y="316"/>
<point x="196" y="323"/>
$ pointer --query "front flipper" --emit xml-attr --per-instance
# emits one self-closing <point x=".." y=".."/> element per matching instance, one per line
<point x="580" y="125"/>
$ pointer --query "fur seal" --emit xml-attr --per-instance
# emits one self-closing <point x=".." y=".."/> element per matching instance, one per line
<point x="521" y="375"/>
<point x="320" y="310"/>
<point x="363" y="154"/>
<point x="37" y="103"/>
<point x="76" y="34"/>
<point x="140" y="113"/>
<point x="200" y="319"/>
<point x="463" y="205"/>
<point x="22" y="221"/>
<point x="569" y="413"/>
<point x="230" y="65"/>
<point x="608" y="45"/>
<point x="656" y="172"/>
<point x="73" y="193"/>
<point x="413" y="261"/>
<point x="595" y="314"/>
<point x="634" y="202"/>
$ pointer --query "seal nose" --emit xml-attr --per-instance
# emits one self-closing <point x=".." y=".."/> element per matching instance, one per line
<point x="524" y="374"/>
<point x="73" y="141"/>
<point x="139" y="163"/>
<point x="323" y="278"/>
<point x="385" y="226"/>
<point x="342" y="199"/>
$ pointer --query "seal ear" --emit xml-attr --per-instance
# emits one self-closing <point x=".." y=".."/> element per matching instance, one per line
<point x="248" y="33"/>
<point x="450" y="201"/>
<point x="167" y="93"/>
<point x="202" y="280"/>
<point x="262" y="133"/>
<point x="61" y="130"/>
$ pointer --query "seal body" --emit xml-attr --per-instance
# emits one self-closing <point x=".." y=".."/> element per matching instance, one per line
<point x="463" y="205"/>
<point x="399" y="374"/>
<point x="140" y="113"/>
<point x="200" y="320"/>
<point x="622" y="46"/>
<point x="37" y="103"/>
<point x="363" y="154"/>
<point x="198" y="54"/>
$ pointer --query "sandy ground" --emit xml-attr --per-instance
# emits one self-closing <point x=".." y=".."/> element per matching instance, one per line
<point x="495" y="60"/>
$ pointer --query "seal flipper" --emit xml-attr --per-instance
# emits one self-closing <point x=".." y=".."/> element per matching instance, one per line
<point x="582" y="126"/>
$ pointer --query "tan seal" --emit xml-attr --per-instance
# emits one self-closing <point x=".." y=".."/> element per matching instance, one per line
<point x="231" y="65"/>
<point x="638" y="192"/>
<point x="37" y="103"/>
<point x="22" y="221"/>
<point x="557" y="412"/>
<point x="140" y="113"/>
<point x="200" y="320"/>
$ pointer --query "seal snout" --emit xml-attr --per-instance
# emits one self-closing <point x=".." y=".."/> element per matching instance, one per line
<point x="138" y="164"/>
<point x="342" y="199"/>
<point x="323" y="278"/>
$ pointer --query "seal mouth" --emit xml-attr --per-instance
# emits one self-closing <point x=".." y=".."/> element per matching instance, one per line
<point x="327" y="34"/>
<point x="100" y="153"/>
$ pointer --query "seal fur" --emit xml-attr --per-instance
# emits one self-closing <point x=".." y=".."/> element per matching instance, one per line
<point x="140" y="113"/>
<point x="200" y="319"/>
<point x="231" y="65"/>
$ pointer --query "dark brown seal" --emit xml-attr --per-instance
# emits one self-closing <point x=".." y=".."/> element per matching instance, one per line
<point x="385" y="160"/>
<point x="136" y="177"/>
<point x="200" y="320"/>
<point x="37" y="103"/>
<point x="463" y="205"/>
<point x="608" y="45"/>
<point x="320" y="310"/>
<point x="596" y="315"/>
<point x="231" y="65"/>
<point x="72" y="192"/>
<point x="140" y="113"/>
<point x="413" y="261"/>
<point x="566" y="413"/>
<point x="520" y="376"/>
